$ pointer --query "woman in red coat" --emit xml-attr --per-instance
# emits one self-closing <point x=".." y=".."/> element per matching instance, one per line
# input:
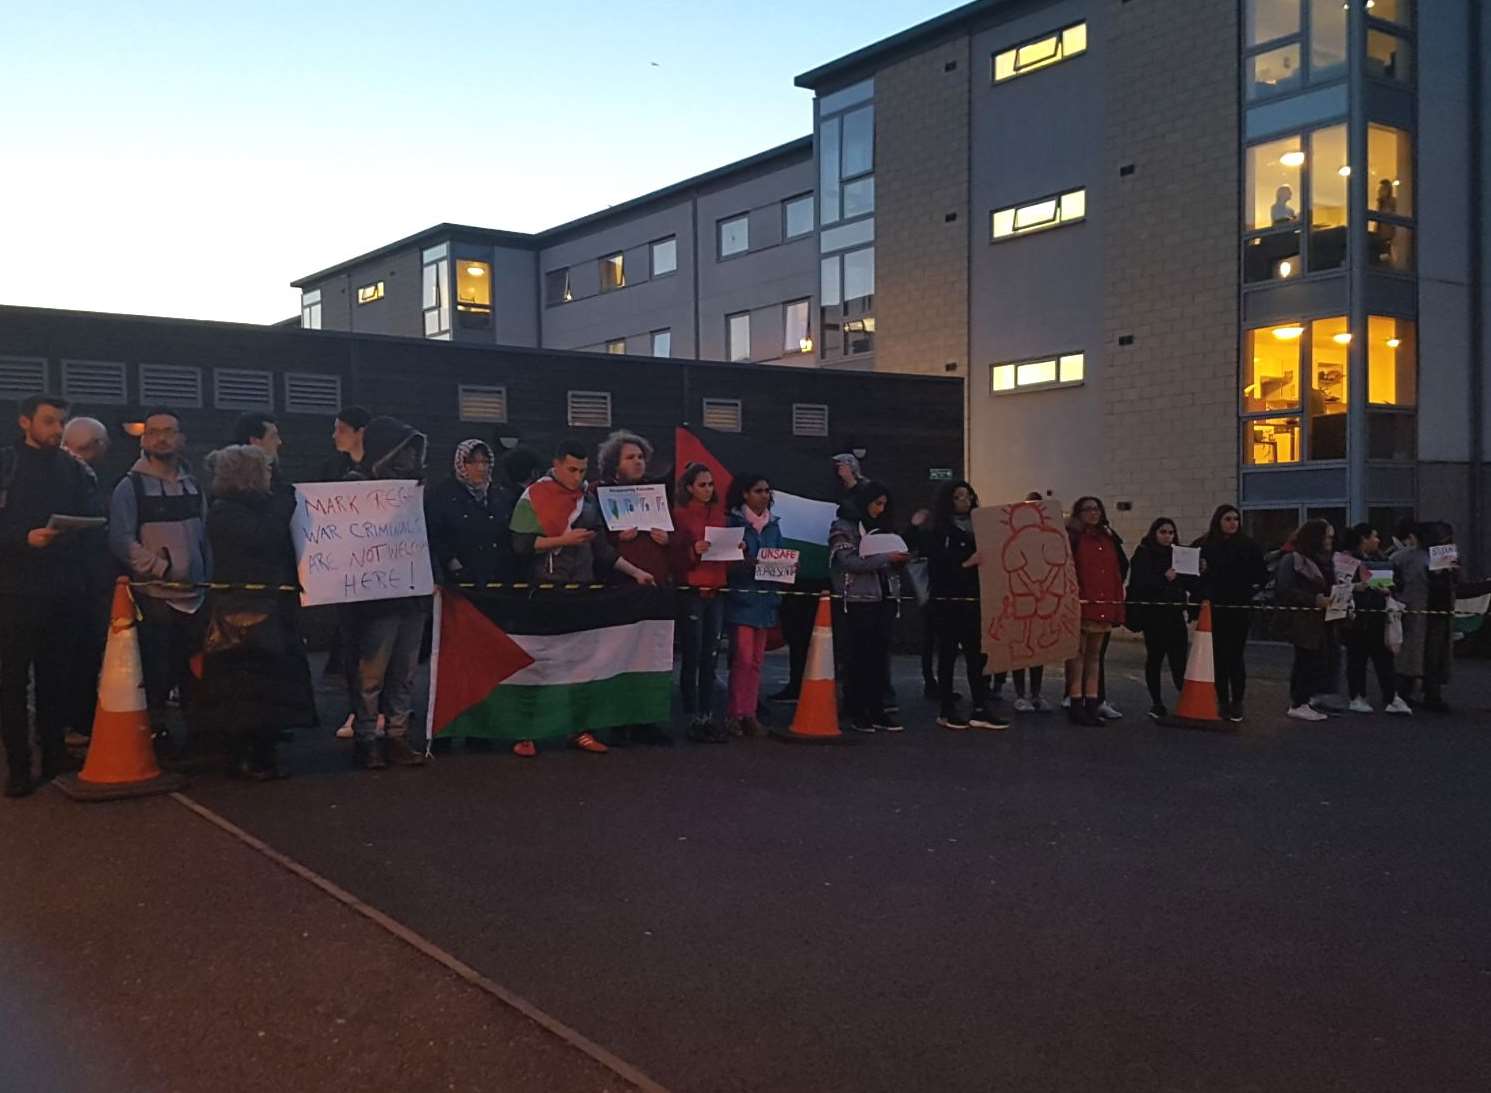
<point x="699" y="507"/>
<point x="1100" y="571"/>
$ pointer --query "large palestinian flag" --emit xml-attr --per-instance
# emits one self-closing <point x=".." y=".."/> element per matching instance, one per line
<point x="543" y="665"/>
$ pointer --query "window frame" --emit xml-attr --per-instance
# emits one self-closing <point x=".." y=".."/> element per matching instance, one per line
<point x="1301" y="409"/>
<point x="1054" y="359"/>
<point x="611" y="347"/>
<point x="719" y="236"/>
<point x="1058" y="36"/>
<point x="310" y="310"/>
<point x="806" y="302"/>
<point x="653" y="335"/>
<point x="568" y="295"/>
<point x="370" y="293"/>
<point x="730" y="338"/>
<point x="1303" y="37"/>
<point x="787" y="234"/>
<point x="616" y="260"/>
<point x="1058" y="221"/>
<point x="436" y="258"/>
<point x="1303" y="223"/>
<point x="652" y="271"/>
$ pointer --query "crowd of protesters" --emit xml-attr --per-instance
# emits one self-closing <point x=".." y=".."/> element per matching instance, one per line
<point x="232" y="659"/>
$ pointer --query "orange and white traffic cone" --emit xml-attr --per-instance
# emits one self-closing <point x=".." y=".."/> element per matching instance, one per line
<point x="817" y="718"/>
<point x="121" y="761"/>
<point x="1197" y="707"/>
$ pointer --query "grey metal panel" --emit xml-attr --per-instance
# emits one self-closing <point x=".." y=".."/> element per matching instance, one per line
<point x="1385" y="295"/>
<point x="1388" y="483"/>
<point x="638" y="264"/>
<point x="1390" y="105"/>
<point x="1294" y="484"/>
<point x="1295" y="300"/>
<point x="766" y="225"/>
<point x="515" y="292"/>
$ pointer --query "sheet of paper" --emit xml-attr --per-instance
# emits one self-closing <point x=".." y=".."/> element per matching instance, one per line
<point x="1348" y="568"/>
<point x="640" y="508"/>
<point x="60" y="522"/>
<point x="1340" y="604"/>
<point x="776" y="565"/>
<point x="882" y="542"/>
<point x="725" y="545"/>
<point x="1443" y="557"/>
<point x="1186" y="560"/>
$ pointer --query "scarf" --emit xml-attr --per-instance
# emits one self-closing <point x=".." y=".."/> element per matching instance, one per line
<point x="1307" y="567"/>
<point x="463" y="455"/>
<point x="757" y="522"/>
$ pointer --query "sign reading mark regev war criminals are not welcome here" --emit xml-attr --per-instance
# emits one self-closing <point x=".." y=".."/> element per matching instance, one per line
<point x="361" y="541"/>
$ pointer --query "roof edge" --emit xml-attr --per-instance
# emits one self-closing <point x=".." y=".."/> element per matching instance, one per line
<point x="815" y="77"/>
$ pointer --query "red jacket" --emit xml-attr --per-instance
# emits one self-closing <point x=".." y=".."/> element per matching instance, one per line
<point x="1099" y="575"/>
<point x="689" y="522"/>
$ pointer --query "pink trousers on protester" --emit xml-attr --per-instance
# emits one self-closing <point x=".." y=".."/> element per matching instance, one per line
<point x="747" y="651"/>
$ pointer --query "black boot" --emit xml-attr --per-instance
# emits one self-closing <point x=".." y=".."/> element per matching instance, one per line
<point x="19" y="783"/>
<point x="1090" y="716"/>
<point x="368" y="754"/>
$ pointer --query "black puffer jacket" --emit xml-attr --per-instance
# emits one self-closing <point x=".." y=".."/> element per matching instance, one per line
<point x="470" y="531"/>
<point x="947" y="547"/>
<point x="1234" y="570"/>
<point x="1148" y="584"/>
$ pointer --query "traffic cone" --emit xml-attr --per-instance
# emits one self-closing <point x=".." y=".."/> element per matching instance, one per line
<point x="121" y="761"/>
<point x="817" y="718"/>
<point x="1197" y="708"/>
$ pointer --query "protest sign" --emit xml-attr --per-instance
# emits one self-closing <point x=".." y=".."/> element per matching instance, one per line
<point x="1347" y="567"/>
<point x="1186" y="560"/>
<point x="1443" y="557"/>
<point x="1340" y="602"/>
<point x="777" y="565"/>
<point x="1031" y="612"/>
<point x="882" y="542"/>
<point x="725" y="545"/>
<point x="361" y="541"/>
<point x="1382" y="578"/>
<point x="635" y="508"/>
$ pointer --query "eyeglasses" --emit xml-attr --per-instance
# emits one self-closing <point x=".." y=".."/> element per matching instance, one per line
<point x="167" y="430"/>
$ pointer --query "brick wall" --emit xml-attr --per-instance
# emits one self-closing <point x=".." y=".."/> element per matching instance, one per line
<point x="1170" y="253"/>
<point x="921" y="175"/>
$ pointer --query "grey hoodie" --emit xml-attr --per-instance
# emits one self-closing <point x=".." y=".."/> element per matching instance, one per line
<point x="174" y="523"/>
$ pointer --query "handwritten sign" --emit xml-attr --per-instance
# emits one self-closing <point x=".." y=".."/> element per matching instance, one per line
<point x="1028" y="596"/>
<point x="358" y="541"/>
<point x="1347" y="567"/>
<point x="1340" y="602"/>
<point x="640" y="508"/>
<point x="1443" y="557"/>
<point x="776" y="565"/>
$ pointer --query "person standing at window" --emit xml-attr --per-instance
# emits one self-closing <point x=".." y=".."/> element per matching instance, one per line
<point x="1365" y="633"/>
<point x="869" y="588"/>
<point x="1233" y="571"/>
<point x="1300" y="582"/>
<point x="1156" y="586"/>
<point x="1281" y="212"/>
<point x="1100" y="566"/>
<point x="751" y="605"/>
<point x="954" y="613"/>
<point x="700" y="583"/>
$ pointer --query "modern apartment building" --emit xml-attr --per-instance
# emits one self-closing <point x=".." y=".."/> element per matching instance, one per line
<point x="1182" y="252"/>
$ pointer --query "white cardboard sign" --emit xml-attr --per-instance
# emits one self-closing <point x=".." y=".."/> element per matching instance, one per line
<point x="777" y="565"/>
<point x="358" y="541"/>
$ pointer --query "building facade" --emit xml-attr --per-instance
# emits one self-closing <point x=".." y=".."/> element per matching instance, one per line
<point x="1181" y="252"/>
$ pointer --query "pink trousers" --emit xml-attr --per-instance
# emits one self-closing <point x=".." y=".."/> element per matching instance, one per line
<point x="747" y="651"/>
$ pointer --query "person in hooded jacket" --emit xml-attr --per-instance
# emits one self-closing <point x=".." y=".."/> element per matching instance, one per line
<point x="952" y="569"/>
<point x="1429" y="626"/>
<point x="1101" y="567"/>
<point x="467" y="519"/>
<point x="1232" y="572"/>
<point x="1153" y="580"/>
<point x="751" y="605"/>
<point x="869" y="593"/>
<point x="386" y="634"/>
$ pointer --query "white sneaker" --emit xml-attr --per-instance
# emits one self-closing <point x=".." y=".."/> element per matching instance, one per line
<point x="345" y="732"/>
<point x="1360" y="705"/>
<point x="1398" y="706"/>
<point x="1307" y="713"/>
<point x="1066" y="703"/>
<point x="1024" y="705"/>
<point x="1109" y="712"/>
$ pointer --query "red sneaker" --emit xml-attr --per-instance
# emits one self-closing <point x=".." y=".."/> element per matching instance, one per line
<point x="586" y="742"/>
<point x="525" y="749"/>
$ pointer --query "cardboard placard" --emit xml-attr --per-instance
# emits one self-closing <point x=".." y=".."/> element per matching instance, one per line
<point x="1031" y="611"/>
<point x="359" y="541"/>
<point x="777" y="565"/>
<point x="1443" y="557"/>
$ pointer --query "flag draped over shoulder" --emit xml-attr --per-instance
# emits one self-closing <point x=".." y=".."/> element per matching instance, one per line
<point x="547" y="508"/>
<point x="542" y="666"/>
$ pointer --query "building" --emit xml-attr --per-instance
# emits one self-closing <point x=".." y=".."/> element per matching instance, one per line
<point x="1182" y="252"/>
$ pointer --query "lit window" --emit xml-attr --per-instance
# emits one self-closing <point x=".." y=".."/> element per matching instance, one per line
<point x="1389" y="171"/>
<point x="1327" y="39"/>
<point x="1271" y="357"/>
<point x="613" y="273"/>
<point x="1392" y="361"/>
<point x="557" y="287"/>
<point x="662" y="343"/>
<point x="795" y="328"/>
<point x="1389" y="57"/>
<point x="1273" y="184"/>
<point x="368" y="293"/>
<point x="1330" y="184"/>
<point x="1037" y="216"/>
<point x="735" y="236"/>
<point x="473" y="285"/>
<point x="1392" y="11"/>
<point x="435" y="291"/>
<point x="616" y="346"/>
<point x="310" y="310"/>
<point x="664" y="256"/>
<point x="738" y="336"/>
<point x="1048" y="50"/>
<point x="1274" y="72"/>
<point x="1270" y="440"/>
<point x="1066" y="370"/>
<point x="1389" y="246"/>
<point x="798" y="214"/>
<point x="1270" y="19"/>
<point x="1330" y="344"/>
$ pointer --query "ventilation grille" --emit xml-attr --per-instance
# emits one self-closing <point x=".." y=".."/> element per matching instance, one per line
<point x="242" y="389"/>
<point x="483" y="403"/>
<point x="590" y="409"/>
<point x="21" y="377"/>
<point x="809" y="419"/>
<point x="174" y="385"/>
<point x="94" y="382"/>
<point x="722" y="414"/>
<point x="312" y="393"/>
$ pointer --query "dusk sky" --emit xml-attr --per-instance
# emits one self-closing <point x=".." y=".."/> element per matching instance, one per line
<point x="192" y="159"/>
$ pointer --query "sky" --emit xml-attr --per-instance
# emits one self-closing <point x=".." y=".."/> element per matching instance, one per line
<point x="192" y="159"/>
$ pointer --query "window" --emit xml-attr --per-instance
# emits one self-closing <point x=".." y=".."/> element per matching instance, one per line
<point x="665" y="256"/>
<point x="859" y="142"/>
<point x="616" y="346"/>
<point x="1270" y="19"/>
<point x="859" y="274"/>
<point x="846" y="97"/>
<point x="589" y="409"/>
<point x="1330" y="343"/>
<point x="1392" y="437"/>
<point x="847" y="235"/>
<point x="1050" y="212"/>
<point x="435" y="291"/>
<point x="1392" y="11"/>
<point x="242" y="389"/>
<point x="170" y="385"/>
<point x="1289" y="43"/>
<point x="1048" y="50"/>
<point x="1389" y="171"/>
<point x="795" y="327"/>
<point x="1392" y="361"/>
<point x="1062" y="371"/>
<point x="310" y="310"/>
<point x="21" y="377"/>
<point x="1273" y="184"/>
<point x="735" y="235"/>
<point x="1277" y="207"/>
<point x="829" y="292"/>
<point x="1274" y="360"/>
<point x="798" y="216"/>
<point x="859" y="196"/>
<point x="1271" y="368"/>
<point x="662" y="343"/>
<point x="1327" y="39"/>
<point x="809" y="419"/>
<point x="847" y="291"/>
<point x="722" y="415"/>
<point x="557" y="288"/>
<point x="738" y="336"/>
<point x="613" y="272"/>
<point x="1274" y="72"/>
<point x="1389" y="57"/>
<point x="1330" y="177"/>
<point x="312" y="393"/>
<point x="94" y="382"/>
<point x="366" y="294"/>
<point x="828" y="169"/>
<point x="474" y="285"/>
<point x="1270" y="440"/>
<point x="481" y="403"/>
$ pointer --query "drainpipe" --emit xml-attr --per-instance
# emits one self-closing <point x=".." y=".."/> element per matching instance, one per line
<point x="1356" y="354"/>
<point x="1476" y="532"/>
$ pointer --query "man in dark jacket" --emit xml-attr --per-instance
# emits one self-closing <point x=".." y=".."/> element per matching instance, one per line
<point x="42" y="574"/>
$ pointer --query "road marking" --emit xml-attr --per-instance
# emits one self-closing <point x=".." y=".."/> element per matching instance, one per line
<point x="618" y="1066"/>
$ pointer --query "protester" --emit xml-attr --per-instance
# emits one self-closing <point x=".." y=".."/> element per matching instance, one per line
<point x="1155" y="585"/>
<point x="1428" y="624"/>
<point x="869" y="589"/>
<point x="920" y="536"/>
<point x="256" y="680"/>
<point x="1365" y="633"/>
<point x="1300" y="582"/>
<point x="1100" y="566"/>
<point x="703" y="605"/>
<point x="347" y="435"/>
<point x="467" y="518"/>
<point x="157" y="531"/>
<point x="87" y="439"/>
<point x="952" y="557"/>
<point x="1232" y="572"/>
<point x="42" y="587"/>
<point x="521" y="467"/>
<point x="385" y="635"/>
<point x="750" y="605"/>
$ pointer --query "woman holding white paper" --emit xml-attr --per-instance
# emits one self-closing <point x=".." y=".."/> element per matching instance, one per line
<point x="868" y="587"/>
<point x="751" y="605"/>
<point x="700" y="583"/>
<point x="952" y="555"/>
<point x="1158" y="597"/>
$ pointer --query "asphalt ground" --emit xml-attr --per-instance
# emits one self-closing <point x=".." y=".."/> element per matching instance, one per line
<point x="1289" y="907"/>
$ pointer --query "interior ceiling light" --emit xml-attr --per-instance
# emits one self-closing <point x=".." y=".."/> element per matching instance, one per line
<point x="1287" y="333"/>
<point x="1342" y="338"/>
<point x="1344" y="170"/>
<point x="1286" y="268"/>
<point x="476" y="271"/>
<point x="1292" y="159"/>
<point x="1393" y="343"/>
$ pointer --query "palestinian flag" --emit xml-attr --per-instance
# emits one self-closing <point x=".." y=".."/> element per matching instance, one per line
<point x="546" y="665"/>
<point x="546" y="508"/>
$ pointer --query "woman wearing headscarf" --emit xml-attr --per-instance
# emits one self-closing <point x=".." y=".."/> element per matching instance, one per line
<point x="467" y="519"/>
<point x="869" y="590"/>
<point x="1158" y="596"/>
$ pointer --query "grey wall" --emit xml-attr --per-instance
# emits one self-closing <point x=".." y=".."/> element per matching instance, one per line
<point x="515" y="298"/>
<point x="399" y="312"/>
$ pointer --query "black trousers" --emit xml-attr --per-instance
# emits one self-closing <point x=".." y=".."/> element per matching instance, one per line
<point x="795" y="617"/>
<point x="90" y="637"/>
<point x="930" y="638"/>
<point x="1364" y="642"/>
<point x="1165" y="639"/>
<point x="168" y="639"/>
<point x="36" y="633"/>
<point x="1307" y="675"/>
<point x="867" y="627"/>
<point x="958" y="631"/>
<point x="1229" y="643"/>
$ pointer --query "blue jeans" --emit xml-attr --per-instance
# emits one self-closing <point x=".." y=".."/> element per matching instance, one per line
<point x="384" y="636"/>
<point x="703" y="620"/>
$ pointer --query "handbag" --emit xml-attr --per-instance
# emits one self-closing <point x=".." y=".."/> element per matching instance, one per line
<point x="1392" y="634"/>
